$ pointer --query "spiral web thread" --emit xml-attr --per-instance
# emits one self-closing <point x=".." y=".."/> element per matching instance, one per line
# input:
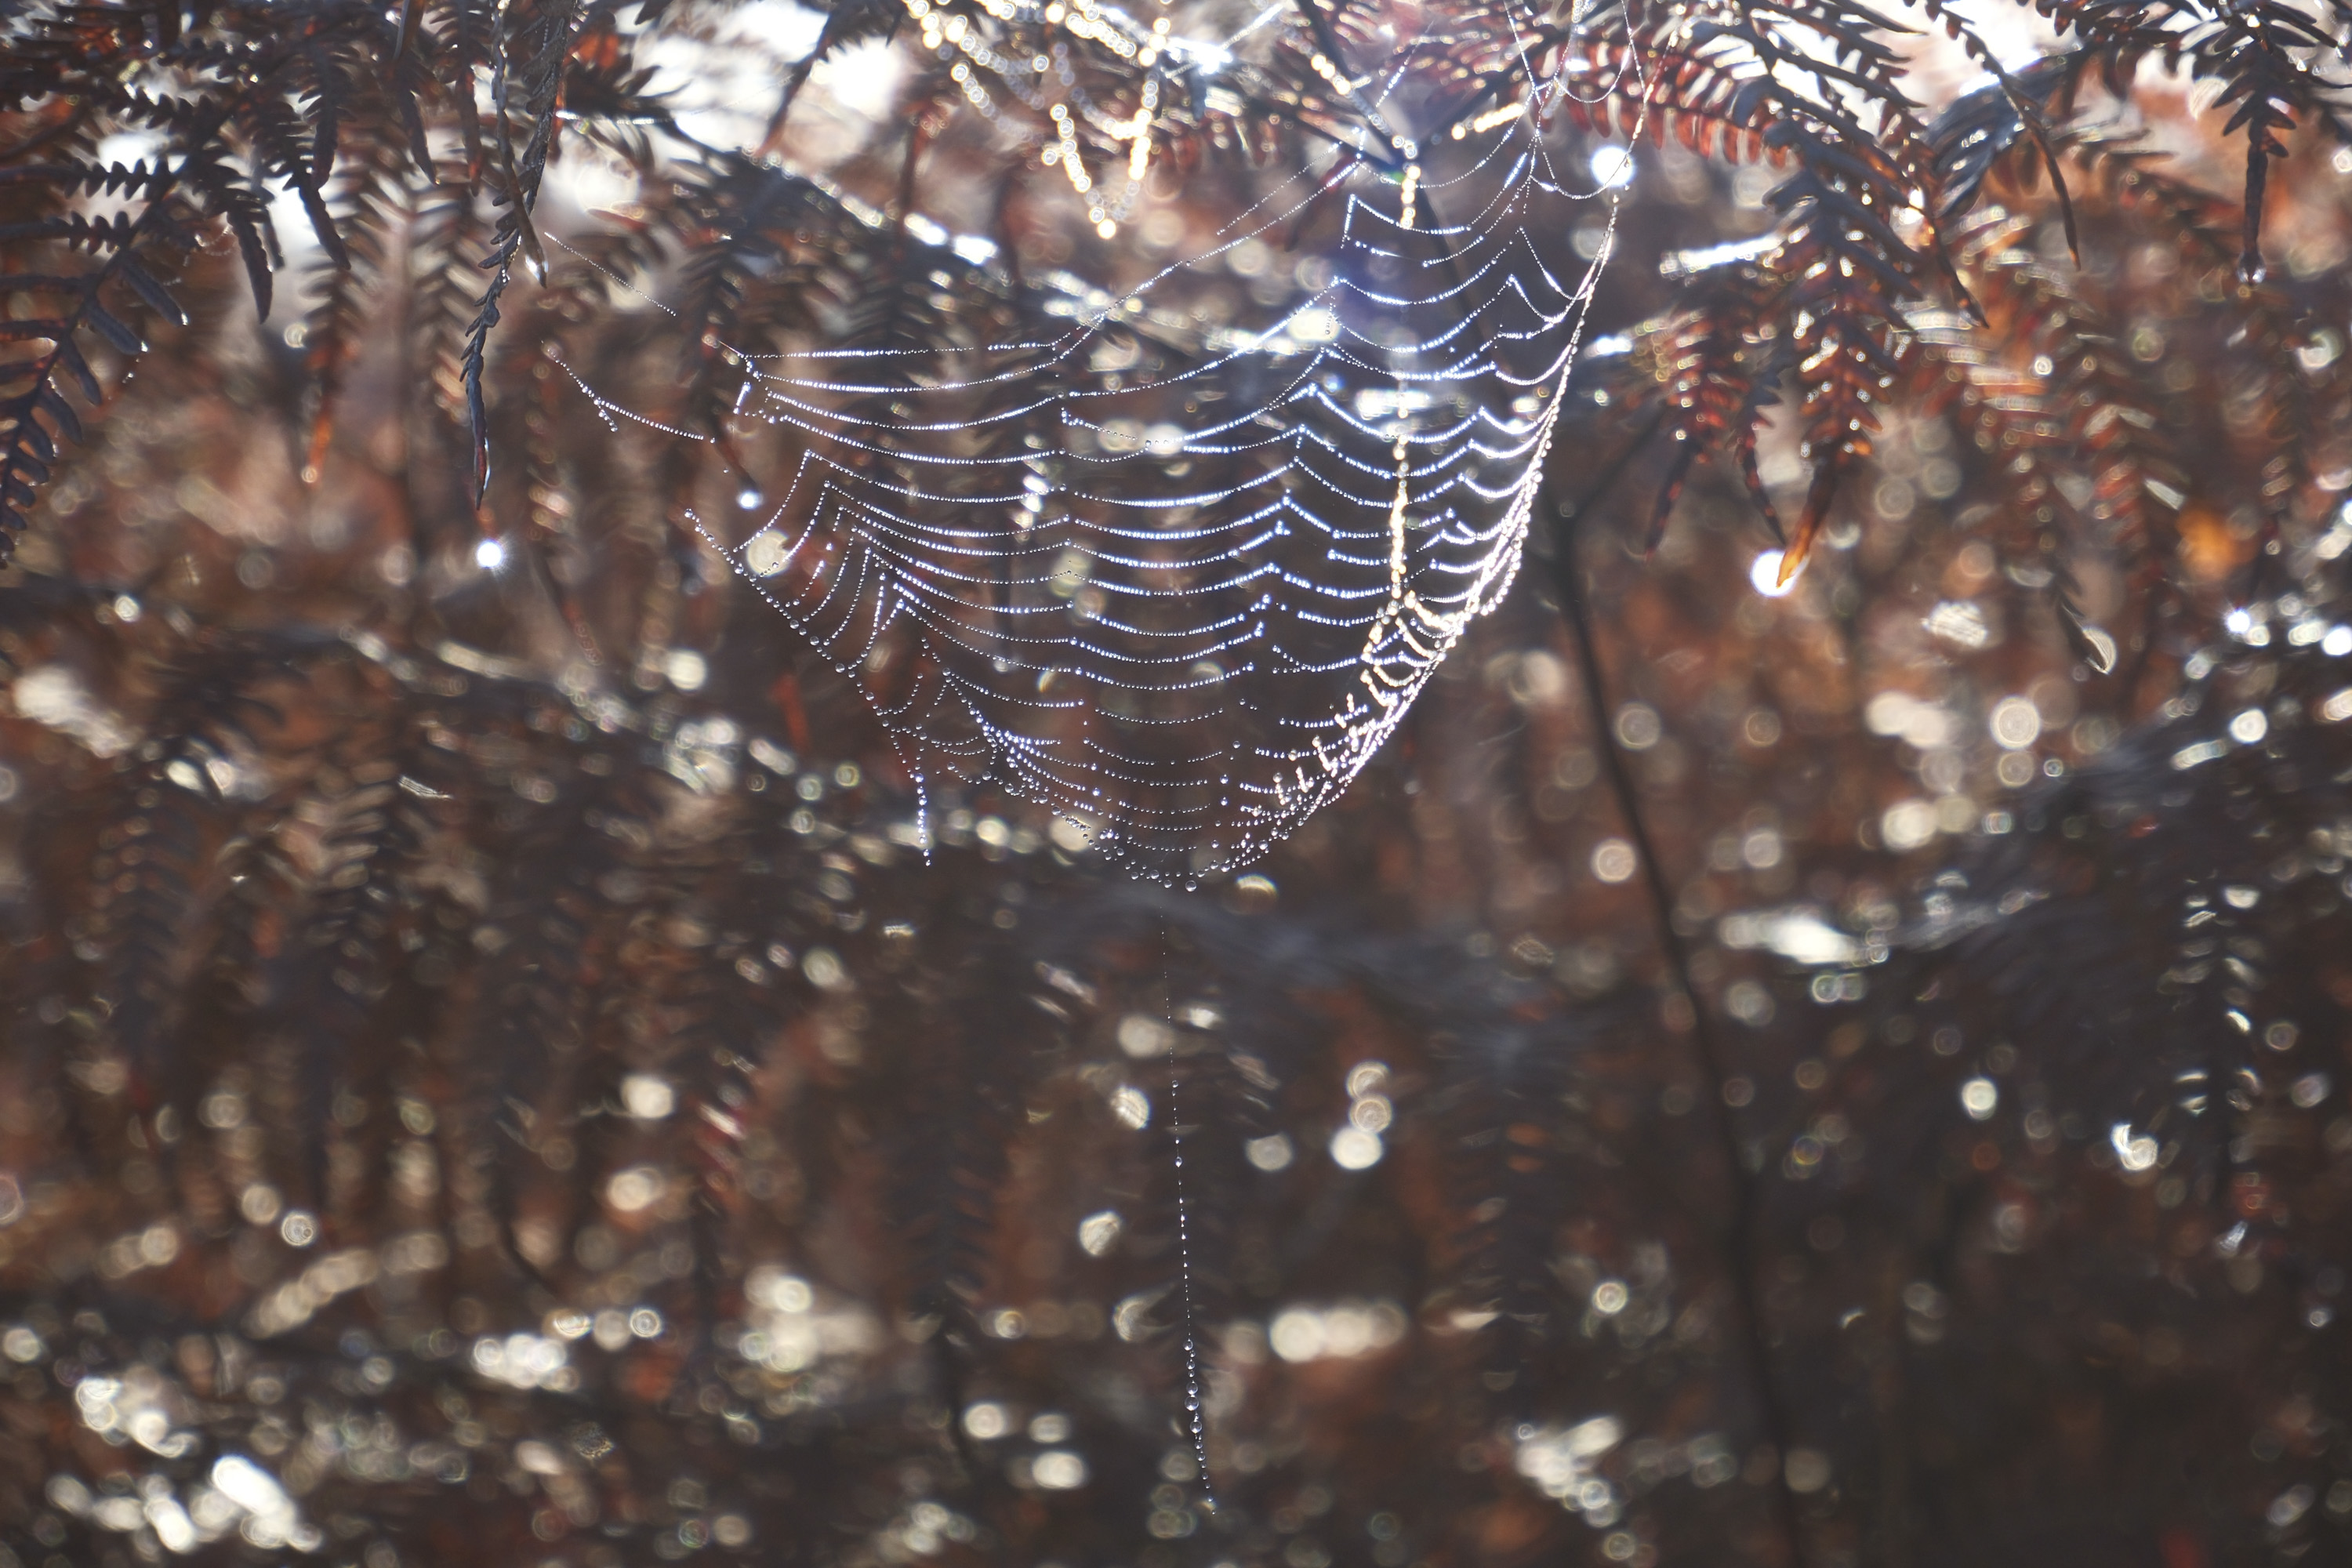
<point x="1174" y="569"/>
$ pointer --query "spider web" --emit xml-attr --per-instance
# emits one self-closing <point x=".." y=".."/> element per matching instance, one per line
<point x="1174" y="558"/>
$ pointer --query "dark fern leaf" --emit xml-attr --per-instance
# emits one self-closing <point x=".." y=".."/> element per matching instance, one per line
<point x="528" y="73"/>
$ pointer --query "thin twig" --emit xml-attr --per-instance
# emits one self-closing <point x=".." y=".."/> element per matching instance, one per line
<point x="1738" y="1239"/>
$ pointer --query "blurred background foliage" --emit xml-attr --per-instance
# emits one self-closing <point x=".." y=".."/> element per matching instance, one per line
<point x="1846" y="1075"/>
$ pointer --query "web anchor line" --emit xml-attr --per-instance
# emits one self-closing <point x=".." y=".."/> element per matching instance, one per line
<point x="1195" y="1418"/>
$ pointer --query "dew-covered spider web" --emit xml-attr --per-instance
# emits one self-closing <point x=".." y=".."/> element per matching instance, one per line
<point x="1170" y="537"/>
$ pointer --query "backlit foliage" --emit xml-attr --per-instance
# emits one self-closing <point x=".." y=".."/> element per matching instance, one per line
<point x="1816" y="1039"/>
